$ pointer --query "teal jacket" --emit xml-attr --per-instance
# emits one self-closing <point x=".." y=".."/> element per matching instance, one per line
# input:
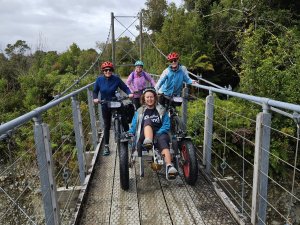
<point x="136" y="124"/>
<point x="170" y="82"/>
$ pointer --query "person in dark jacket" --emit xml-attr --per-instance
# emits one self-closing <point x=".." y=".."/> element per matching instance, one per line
<point x="107" y="85"/>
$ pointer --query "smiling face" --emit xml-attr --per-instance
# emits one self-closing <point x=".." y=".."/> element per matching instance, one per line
<point x="138" y="69"/>
<point x="149" y="99"/>
<point x="174" y="63"/>
<point x="107" y="71"/>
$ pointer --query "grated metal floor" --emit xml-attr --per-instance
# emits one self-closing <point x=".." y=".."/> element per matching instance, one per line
<point x="149" y="200"/>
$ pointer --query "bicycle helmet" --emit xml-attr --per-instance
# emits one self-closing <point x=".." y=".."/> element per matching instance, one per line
<point x="173" y="55"/>
<point x="152" y="89"/>
<point x="139" y="63"/>
<point x="107" y="64"/>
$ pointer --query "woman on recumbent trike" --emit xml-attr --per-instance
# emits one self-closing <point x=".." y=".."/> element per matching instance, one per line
<point x="151" y="121"/>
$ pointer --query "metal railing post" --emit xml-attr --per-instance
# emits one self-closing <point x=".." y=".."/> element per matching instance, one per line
<point x="92" y="118"/>
<point x="45" y="163"/>
<point x="261" y="167"/>
<point x="208" y="131"/>
<point x="185" y="94"/>
<point x="79" y="138"/>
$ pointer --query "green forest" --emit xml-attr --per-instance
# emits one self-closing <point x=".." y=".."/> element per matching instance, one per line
<point x="251" y="45"/>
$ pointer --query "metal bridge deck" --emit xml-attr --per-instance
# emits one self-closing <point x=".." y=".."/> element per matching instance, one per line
<point x="149" y="200"/>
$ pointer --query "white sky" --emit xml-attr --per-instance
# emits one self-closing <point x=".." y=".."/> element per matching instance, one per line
<point x="55" y="25"/>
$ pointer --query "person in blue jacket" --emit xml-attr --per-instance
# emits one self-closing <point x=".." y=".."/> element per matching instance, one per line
<point x="107" y="85"/>
<point x="172" y="78"/>
<point x="151" y="121"/>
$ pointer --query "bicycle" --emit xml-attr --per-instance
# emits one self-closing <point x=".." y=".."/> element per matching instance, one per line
<point x="183" y="149"/>
<point x="122" y="143"/>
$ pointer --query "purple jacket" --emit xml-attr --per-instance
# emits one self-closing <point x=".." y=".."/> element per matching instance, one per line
<point x="137" y="83"/>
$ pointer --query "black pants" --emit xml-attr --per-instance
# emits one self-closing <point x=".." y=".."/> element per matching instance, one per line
<point x="162" y="140"/>
<point x="106" y="115"/>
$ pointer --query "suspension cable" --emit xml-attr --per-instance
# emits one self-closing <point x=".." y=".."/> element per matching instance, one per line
<point x="87" y="71"/>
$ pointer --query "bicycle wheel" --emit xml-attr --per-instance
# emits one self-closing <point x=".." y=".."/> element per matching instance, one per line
<point x="123" y="164"/>
<point x="117" y="130"/>
<point x="189" y="162"/>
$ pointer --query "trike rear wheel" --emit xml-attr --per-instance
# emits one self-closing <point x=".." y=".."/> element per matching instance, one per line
<point x="189" y="162"/>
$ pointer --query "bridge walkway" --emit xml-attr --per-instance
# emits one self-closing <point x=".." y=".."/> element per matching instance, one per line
<point x="149" y="200"/>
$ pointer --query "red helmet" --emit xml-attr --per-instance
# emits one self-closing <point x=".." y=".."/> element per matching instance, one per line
<point x="173" y="55"/>
<point x="106" y="65"/>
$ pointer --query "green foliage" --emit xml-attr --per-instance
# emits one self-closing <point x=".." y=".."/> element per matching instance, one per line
<point x="200" y="63"/>
<point x="182" y="32"/>
<point x="19" y="48"/>
<point x="269" y="65"/>
<point x="153" y="15"/>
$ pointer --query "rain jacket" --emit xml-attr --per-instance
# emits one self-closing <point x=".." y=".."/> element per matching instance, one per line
<point x="136" y="124"/>
<point x="137" y="83"/>
<point x="170" y="82"/>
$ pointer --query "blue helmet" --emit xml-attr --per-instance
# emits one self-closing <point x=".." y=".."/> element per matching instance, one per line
<point x="139" y="63"/>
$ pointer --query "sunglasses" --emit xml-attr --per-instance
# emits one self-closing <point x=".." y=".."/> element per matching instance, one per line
<point x="107" y="70"/>
<point x="173" y="60"/>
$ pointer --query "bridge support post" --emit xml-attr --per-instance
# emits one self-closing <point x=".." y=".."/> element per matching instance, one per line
<point x="92" y="118"/>
<point x="45" y="163"/>
<point x="261" y="167"/>
<point x="208" y="131"/>
<point x="79" y="138"/>
<point x="185" y="94"/>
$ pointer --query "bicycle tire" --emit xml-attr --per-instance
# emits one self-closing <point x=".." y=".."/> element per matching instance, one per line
<point x="124" y="166"/>
<point x="117" y="130"/>
<point x="189" y="162"/>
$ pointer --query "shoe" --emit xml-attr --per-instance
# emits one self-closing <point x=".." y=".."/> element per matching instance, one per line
<point x="147" y="144"/>
<point x="106" y="151"/>
<point x="171" y="172"/>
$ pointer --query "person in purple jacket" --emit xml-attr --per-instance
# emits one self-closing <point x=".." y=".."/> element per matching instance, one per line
<point x="137" y="82"/>
<point x="107" y="86"/>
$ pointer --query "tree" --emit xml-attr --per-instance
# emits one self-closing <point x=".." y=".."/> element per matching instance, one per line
<point x="19" y="48"/>
<point x="154" y="14"/>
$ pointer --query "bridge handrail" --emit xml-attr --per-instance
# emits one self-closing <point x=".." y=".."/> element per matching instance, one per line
<point x="265" y="101"/>
<point x="34" y="113"/>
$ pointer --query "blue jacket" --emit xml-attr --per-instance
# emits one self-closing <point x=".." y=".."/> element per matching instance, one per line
<point x="170" y="82"/>
<point x="108" y="86"/>
<point x="136" y="124"/>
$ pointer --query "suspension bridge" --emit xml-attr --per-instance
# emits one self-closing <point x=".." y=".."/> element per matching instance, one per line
<point x="46" y="185"/>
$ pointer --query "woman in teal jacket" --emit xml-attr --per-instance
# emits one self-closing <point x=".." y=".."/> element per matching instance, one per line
<point x="172" y="79"/>
<point x="151" y="121"/>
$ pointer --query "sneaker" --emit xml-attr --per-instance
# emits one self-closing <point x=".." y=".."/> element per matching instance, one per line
<point x="148" y="144"/>
<point x="106" y="150"/>
<point x="171" y="172"/>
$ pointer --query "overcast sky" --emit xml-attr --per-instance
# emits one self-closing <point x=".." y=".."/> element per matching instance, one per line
<point x="56" y="24"/>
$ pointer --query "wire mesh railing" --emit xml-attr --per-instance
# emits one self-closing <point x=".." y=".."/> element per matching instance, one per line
<point x="42" y="165"/>
<point x="255" y="163"/>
